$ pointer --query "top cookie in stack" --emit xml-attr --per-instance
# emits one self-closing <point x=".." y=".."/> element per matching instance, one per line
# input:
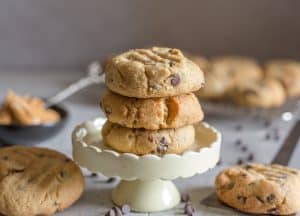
<point x="149" y="102"/>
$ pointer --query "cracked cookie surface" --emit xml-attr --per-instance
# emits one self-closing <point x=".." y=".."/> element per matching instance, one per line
<point x="152" y="113"/>
<point x="288" y="73"/>
<point x="37" y="181"/>
<point x="154" y="72"/>
<point x="260" y="189"/>
<point x="141" y="141"/>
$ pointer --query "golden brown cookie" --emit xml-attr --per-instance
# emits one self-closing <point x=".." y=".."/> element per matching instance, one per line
<point x="141" y="141"/>
<point x="260" y="189"/>
<point x="266" y="94"/>
<point x="152" y="113"/>
<point x="37" y="181"/>
<point x="288" y="73"/>
<point x="154" y="72"/>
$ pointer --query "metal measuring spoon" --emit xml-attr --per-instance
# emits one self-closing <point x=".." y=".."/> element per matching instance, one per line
<point x="32" y="134"/>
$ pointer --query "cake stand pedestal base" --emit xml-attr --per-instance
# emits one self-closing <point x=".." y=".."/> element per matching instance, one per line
<point x="146" y="195"/>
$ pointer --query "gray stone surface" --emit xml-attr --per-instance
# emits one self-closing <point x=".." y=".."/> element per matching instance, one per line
<point x="96" y="198"/>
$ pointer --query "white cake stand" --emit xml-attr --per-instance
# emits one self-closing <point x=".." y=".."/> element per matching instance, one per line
<point x="146" y="180"/>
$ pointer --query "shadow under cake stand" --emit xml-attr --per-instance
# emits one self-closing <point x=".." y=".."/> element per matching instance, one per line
<point x="146" y="180"/>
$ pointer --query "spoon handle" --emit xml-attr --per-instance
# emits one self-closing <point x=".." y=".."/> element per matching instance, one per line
<point x="94" y="76"/>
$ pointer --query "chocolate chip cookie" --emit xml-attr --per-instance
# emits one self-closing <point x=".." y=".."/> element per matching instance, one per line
<point x="154" y="72"/>
<point x="288" y="73"/>
<point x="260" y="189"/>
<point x="266" y="94"/>
<point x="152" y="113"/>
<point x="141" y="141"/>
<point x="37" y="181"/>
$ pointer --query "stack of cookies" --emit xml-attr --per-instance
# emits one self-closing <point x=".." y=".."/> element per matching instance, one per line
<point x="149" y="103"/>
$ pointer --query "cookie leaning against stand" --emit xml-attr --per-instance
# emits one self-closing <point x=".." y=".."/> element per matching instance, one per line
<point x="152" y="113"/>
<point x="260" y="189"/>
<point x="37" y="181"/>
<point x="141" y="141"/>
<point x="154" y="72"/>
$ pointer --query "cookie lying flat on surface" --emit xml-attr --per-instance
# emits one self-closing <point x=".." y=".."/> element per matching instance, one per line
<point x="260" y="189"/>
<point x="152" y="113"/>
<point x="140" y="141"/>
<point x="37" y="181"/>
<point x="288" y="73"/>
<point x="266" y="93"/>
<point x="154" y="72"/>
<point x="239" y="69"/>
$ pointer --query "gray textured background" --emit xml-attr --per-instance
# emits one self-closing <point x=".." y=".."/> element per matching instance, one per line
<point x="67" y="34"/>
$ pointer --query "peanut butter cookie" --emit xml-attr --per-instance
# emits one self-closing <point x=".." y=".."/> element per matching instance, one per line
<point x="152" y="113"/>
<point x="260" y="189"/>
<point x="141" y="141"/>
<point x="37" y="181"/>
<point x="154" y="72"/>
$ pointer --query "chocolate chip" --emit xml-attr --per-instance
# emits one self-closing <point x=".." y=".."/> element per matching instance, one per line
<point x="244" y="148"/>
<point x="163" y="141"/>
<point x="40" y="155"/>
<point x="175" y="80"/>
<point x="94" y="175"/>
<point x="5" y="158"/>
<point x="63" y="174"/>
<point x="242" y="199"/>
<point x="259" y="199"/>
<point x="250" y="157"/>
<point x="239" y="127"/>
<point x="117" y="210"/>
<point x="111" y="180"/>
<point x="125" y="209"/>
<point x="271" y="198"/>
<point x="239" y="161"/>
<point x="189" y="209"/>
<point x="150" y="138"/>
<point x="238" y="142"/>
<point x="171" y="64"/>
<point x="185" y="197"/>
<point x="268" y="136"/>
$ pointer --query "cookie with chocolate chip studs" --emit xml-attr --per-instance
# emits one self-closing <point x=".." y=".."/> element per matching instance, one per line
<point x="266" y="94"/>
<point x="141" y="141"/>
<point x="37" y="181"/>
<point x="152" y="113"/>
<point x="154" y="72"/>
<point x="288" y="73"/>
<point x="260" y="189"/>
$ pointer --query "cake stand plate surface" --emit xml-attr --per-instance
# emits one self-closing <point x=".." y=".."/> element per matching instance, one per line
<point x="146" y="180"/>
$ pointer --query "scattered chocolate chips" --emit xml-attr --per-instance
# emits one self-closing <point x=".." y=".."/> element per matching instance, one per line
<point x="250" y="157"/>
<point x="244" y="148"/>
<point x="185" y="197"/>
<point x="239" y="127"/>
<point x="238" y="142"/>
<point x="175" y="80"/>
<point x="239" y="161"/>
<point x="189" y="209"/>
